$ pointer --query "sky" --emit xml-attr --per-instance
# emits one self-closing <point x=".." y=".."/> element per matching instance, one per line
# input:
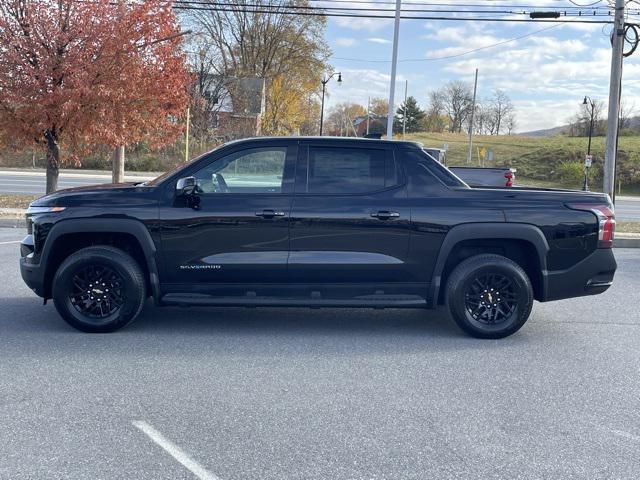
<point x="546" y="75"/>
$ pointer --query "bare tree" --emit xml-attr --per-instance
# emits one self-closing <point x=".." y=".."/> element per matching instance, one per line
<point x="501" y="108"/>
<point x="261" y="44"/>
<point x="434" y="120"/>
<point x="579" y="125"/>
<point x="482" y="119"/>
<point x="207" y="92"/>
<point x="379" y="106"/>
<point x="456" y="98"/>
<point x="271" y="44"/>
<point x="511" y="123"/>
<point x="627" y="112"/>
<point x="340" y="117"/>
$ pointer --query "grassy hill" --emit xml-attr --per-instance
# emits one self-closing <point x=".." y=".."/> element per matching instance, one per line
<point x="544" y="160"/>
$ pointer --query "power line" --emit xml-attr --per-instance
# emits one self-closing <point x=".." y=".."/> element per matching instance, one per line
<point x="457" y="54"/>
<point x="267" y="10"/>
<point x="473" y="5"/>
<point x="587" y="5"/>
<point x="352" y="9"/>
<point x="516" y="10"/>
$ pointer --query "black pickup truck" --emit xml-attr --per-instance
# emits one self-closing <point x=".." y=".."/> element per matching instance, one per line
<point x="316" y="222"/>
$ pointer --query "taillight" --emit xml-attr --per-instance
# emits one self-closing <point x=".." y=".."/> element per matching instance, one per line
<point x="510" y="177"/>
<point x="606" y="222"/>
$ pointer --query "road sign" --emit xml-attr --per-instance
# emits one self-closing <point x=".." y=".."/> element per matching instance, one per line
<point x="587" y="160"/>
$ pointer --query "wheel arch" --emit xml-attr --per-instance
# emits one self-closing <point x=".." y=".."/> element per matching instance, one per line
<point x="129" y="235"/>
<point x="525" y="238"/>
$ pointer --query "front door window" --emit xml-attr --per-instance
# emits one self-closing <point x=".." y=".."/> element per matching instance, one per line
<point x="256" y="170"/>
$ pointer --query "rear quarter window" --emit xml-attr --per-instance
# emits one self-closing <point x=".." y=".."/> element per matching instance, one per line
<point x="424" y="171"/>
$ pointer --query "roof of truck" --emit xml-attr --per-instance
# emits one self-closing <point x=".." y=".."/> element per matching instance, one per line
<point x="329" y="139"/>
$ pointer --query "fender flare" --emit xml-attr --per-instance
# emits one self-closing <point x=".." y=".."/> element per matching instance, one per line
<point x="109" y="225"/>
<point x="477" y="231"/>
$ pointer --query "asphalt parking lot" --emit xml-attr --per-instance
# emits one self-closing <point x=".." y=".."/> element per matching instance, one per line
<point x="233" y="393"/>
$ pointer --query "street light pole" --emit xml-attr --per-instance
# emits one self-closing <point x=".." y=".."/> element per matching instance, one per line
<point x="473" y="111"/>
<point x="404" y="115"/>
<point x="394" y="64"/>
<point x="324" y="82"/>
<point x="591" y="103"/>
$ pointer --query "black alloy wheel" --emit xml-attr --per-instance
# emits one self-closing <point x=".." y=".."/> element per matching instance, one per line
<point x="99" y="289"/>
<point x="489" y="296"/>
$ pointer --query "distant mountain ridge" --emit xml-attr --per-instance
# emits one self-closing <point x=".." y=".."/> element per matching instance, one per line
<point x="634" y="123"/>
<point x="546" y="132"/>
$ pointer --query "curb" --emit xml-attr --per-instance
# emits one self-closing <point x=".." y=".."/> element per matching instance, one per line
<point x="624" y="241"/>
<point x="12" y="223"/>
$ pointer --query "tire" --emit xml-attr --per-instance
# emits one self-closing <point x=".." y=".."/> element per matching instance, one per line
<point x="115" y="289"/>
<point x="482" y="312"/>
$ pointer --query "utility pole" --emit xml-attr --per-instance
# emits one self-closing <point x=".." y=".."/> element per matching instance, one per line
<point x="368" y="112"/>
<point x="473" y="111"/>
<point x="404" y="115"/>
<point x="186" y="136"/>
<point x="615" y="85"/>
<point x="394" y="64"/>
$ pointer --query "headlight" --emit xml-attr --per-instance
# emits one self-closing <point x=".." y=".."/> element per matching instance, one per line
<point x="34" y="210"/>
<point x="31" y="211"/>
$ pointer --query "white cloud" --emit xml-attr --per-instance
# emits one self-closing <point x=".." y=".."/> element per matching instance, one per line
<point x="538" y="71"/>
<point x="458" y="35"/>
<point x="357" y="85"/>
<point x="542" y="114"/>
<point x="575" y="23"/>
<point x="369" y="24"/>
<point x="378" y="40"/>
<point x="345" y="42"/>
<point x="553" y="45"/>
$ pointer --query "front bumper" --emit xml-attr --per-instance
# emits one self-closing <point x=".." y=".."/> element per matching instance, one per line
<point x="31" y="268"/>
<point x="591" y="276"/>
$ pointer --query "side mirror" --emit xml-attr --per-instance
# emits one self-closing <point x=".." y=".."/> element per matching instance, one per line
<point x="185" y="186"/>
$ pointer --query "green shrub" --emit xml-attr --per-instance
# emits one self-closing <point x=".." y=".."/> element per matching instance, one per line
<point x="571" y="173"/>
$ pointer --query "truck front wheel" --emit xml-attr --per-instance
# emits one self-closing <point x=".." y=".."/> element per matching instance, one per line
<point x="489" y="296"/>
<point x="99" y="289"/>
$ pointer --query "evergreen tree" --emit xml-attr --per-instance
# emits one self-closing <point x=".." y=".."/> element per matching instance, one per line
<point x="413" y="114"/>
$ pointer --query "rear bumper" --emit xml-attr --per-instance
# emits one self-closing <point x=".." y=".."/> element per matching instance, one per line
<point x="31" y="269"/>
<point x="591" y="276"/>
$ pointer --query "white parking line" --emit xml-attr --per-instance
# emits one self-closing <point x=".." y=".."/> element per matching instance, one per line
<point x="175" y="451"/>
<point x="13" y="241"/>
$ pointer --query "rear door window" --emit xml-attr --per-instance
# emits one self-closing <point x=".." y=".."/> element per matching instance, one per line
<point x="338" y="170"/>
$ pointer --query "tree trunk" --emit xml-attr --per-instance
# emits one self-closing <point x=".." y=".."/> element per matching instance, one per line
<point x="118" y="165"/>
<point x="53" y="160"/>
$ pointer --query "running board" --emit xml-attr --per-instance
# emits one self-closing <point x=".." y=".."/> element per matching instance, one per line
<point x="366" y="301"/>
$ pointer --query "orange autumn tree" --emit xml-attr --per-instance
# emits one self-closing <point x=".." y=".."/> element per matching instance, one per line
<point x="75" y="74"/>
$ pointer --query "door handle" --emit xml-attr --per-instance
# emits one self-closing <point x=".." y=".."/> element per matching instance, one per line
<point x="268" y="213"/>
<point x="385" y="215"/>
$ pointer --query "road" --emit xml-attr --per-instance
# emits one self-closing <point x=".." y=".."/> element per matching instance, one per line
<point x="232" y="393"/>
<point x="12" y="181"/>
<point x="33" y="182"/>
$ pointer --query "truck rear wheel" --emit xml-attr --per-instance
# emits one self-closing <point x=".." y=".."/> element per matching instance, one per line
<point x="489" y="296"/>
<point x="99" y="289"/>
